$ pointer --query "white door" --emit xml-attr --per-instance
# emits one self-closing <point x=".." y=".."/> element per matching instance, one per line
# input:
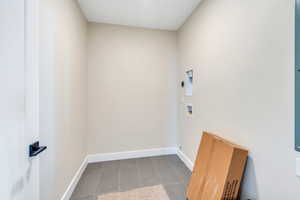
<point x="18" y="99"/>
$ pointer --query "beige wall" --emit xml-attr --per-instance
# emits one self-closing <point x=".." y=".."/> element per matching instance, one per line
<point x="132" y="88"/>
<point x="63" y="92"/>
<point x="243" y="56"/>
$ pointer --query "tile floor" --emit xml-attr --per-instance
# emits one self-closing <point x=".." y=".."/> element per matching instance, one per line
<point x="154" y="178"/>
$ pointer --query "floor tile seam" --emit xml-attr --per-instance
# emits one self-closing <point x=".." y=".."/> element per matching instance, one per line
<point x="99" y="182"/>
<point x="139" y="174"/>
<point x="176" y="172"/>
<point x="156" y="170"/>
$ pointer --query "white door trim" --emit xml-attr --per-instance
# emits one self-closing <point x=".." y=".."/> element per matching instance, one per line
<point x="31" y="50"/>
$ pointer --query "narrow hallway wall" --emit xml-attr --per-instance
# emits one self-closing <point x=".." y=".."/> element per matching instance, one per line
<point x="242" y="53"/>
<point x="63" y="93"/>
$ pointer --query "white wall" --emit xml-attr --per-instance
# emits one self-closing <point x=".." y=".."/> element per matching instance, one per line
<point x="63" y="92"/>
<point x="243" y="56"/>
<point x="242" y="53"/>
<point x="14" y="162"/>
<point x="132" y="88"/>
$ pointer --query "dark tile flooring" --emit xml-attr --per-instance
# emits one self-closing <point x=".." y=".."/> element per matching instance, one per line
<point x="164" y="176"/>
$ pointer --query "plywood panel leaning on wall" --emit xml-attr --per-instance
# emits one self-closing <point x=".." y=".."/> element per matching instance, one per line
<point x="218" y="170"/>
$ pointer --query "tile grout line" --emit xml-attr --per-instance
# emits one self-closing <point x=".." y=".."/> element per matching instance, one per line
<point x="119" y="179"/>
<point x="156" y="170"/>
<point x="138" y="177"/>
<point x="99" y="183"/>
<point x="175" y="171"/>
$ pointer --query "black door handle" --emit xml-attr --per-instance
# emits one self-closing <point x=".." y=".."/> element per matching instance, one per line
<point x="35" y="149"/>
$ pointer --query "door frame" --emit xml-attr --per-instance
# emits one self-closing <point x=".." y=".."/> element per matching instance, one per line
<point x="31" y="124"/>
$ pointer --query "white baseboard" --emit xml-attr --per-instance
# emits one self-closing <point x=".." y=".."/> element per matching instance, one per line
<point x="67" y="195"/>
<point x="185" y="160"/>
<point x="130" y="154"/>
<point x="92" y="158"/>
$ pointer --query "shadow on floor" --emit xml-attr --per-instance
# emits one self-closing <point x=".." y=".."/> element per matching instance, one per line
<point x="249" y="184"/>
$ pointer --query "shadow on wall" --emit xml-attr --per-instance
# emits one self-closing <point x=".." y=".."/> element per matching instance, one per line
<point x="249" y="184"/>
<point x="19" y="184"/>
